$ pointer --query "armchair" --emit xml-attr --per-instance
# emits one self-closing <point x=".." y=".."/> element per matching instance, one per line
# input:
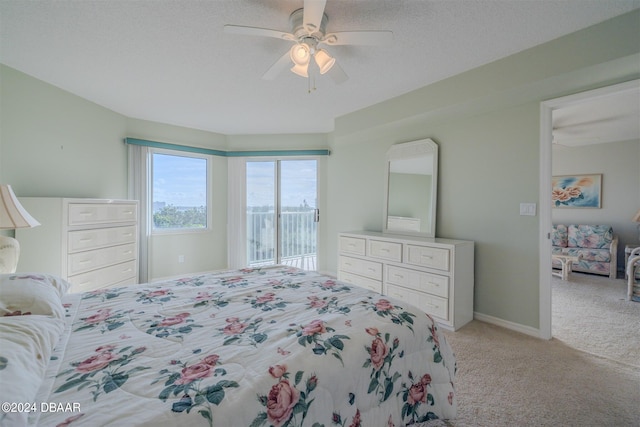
<point x="633" y="275"/>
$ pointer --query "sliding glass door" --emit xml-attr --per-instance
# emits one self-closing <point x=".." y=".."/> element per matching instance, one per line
<point x="282" y="214"/>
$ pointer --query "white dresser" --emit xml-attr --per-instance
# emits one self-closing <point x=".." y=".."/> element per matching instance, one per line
<point x="92" y="243"/>
<point x="433" y="274"/>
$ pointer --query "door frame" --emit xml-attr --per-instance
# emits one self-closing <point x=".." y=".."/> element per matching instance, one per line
<point x="237" y="205"/>
<point x="545" y="222"/>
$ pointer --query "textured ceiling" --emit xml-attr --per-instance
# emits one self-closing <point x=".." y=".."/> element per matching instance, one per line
<point x="611" y="118"/>
<point x="170" y="62"/>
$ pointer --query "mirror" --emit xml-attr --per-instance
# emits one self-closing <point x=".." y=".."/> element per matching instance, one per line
<point x="411" y="188"/>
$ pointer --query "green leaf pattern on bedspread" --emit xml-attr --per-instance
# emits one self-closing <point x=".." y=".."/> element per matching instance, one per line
<point x="274" y="346"/>
<point x="103" y="371"/>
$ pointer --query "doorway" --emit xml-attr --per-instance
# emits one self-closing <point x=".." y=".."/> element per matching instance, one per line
<point x="547" y="109"/>
<point x="282" y="212"/>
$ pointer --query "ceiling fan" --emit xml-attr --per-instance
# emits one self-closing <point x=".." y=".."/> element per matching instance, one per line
<point x="579" y="134"/>
<point x="308" y="33"/>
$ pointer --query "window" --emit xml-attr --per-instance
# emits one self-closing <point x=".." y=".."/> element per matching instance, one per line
<point x="179" y="191"/>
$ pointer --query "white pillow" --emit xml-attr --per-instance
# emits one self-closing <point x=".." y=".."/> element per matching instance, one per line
<point x="61" y="285"/>
<point x="22" y="294"/>
<point x="26" y="343"/>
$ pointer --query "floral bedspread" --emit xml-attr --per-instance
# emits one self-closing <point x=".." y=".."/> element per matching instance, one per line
<point x="272" y="346"/>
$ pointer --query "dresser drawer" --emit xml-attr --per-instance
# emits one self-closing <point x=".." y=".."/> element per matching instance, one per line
<point x="390" y="251"/>
<point x="93" y="239"/>
<point x="352" y="245"/>
<point x="419" y="281"/>
<point x="431" y="304"/>
<point x="363" y="282"/>
<point x="80" y="262"/>
<point x="426" y="256"/>
<point x="103" y="277"/>
<point x="94" y="213"/>
<point x="370" y="269"/>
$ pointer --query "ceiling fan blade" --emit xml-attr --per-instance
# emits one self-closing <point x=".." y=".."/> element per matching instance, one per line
<point x="371" y="38"/>
<point x="256" y="31"/>
<point x="576" y="142"/>
<point x="312" y="14"/>
<point x="278" y="67"/>
<point x="337" y="74"/>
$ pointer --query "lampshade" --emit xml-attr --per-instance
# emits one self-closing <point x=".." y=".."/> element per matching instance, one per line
<point x="12" y="214"/>
<point x="324" y="60"/>
<point x="636" y="217"/>
<point x="301" y="70"/>
<point x="300" y="54"/>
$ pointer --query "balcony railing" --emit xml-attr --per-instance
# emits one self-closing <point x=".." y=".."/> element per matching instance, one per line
<point x="298" y="243"/>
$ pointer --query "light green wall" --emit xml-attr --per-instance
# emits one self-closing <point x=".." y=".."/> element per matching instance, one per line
<point x="277" y="142"/>
<point x="619" y="164"/>
<point x="486" y="122"/>
<point x="57" y="144"/>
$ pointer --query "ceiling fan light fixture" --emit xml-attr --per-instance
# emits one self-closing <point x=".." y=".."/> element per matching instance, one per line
<point x="300" y="54"/>
<point x="324" y="60"/>
<point x="300" y="70"/>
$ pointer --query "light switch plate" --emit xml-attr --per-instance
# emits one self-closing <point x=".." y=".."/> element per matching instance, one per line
<point x="528" y="209"/>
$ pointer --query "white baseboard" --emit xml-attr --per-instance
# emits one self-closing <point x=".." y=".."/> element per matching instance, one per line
<point x="527" y="330"/>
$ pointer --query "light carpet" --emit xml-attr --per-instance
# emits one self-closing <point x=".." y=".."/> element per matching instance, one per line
<point x="506" y="378"/>
<point x="591" y="313"/>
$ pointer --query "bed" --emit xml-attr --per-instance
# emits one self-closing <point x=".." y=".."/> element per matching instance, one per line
<point x="274" y="346"/>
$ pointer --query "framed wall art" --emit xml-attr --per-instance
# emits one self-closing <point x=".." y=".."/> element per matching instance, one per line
<point x="577" y="191"/>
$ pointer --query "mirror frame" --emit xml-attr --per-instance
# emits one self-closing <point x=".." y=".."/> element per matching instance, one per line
<point x="409" y="150"/>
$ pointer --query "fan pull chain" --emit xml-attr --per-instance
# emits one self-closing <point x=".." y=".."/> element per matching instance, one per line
<point x="314" y="83"/>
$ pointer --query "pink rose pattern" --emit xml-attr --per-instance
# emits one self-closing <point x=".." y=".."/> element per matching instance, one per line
<point x="384" y="308"/>
<point x="172" y="327"/>
<point x="416" y="396"/>
<point x="188" y="388"/>
<point x="381" y="354"/>
<point x="210" y="298"/>
<point x="247" y="331"/>
<point x="105" y="319"/>
<point x="312" y="334"/>
<point x="201" y="381"/>
<point x="285" y="403"/>
<point x="266" y="301"/>
<point x="103" y="371"/>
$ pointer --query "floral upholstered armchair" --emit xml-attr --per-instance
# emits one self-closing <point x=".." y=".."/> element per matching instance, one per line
<point x="633" y="276"/>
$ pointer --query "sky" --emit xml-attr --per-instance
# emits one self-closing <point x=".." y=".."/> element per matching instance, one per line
<point x="299" y="183"/>
<point x="181" y="181"/>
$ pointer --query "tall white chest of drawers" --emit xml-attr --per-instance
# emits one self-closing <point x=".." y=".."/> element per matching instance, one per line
<point x="91" y="243"/>
<point x="436" y="275"/>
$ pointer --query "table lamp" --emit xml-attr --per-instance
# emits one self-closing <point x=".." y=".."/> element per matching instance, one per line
<point x="12" y="216"/>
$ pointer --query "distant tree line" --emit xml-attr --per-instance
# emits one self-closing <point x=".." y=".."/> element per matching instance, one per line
<point x="171" y="216"/>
